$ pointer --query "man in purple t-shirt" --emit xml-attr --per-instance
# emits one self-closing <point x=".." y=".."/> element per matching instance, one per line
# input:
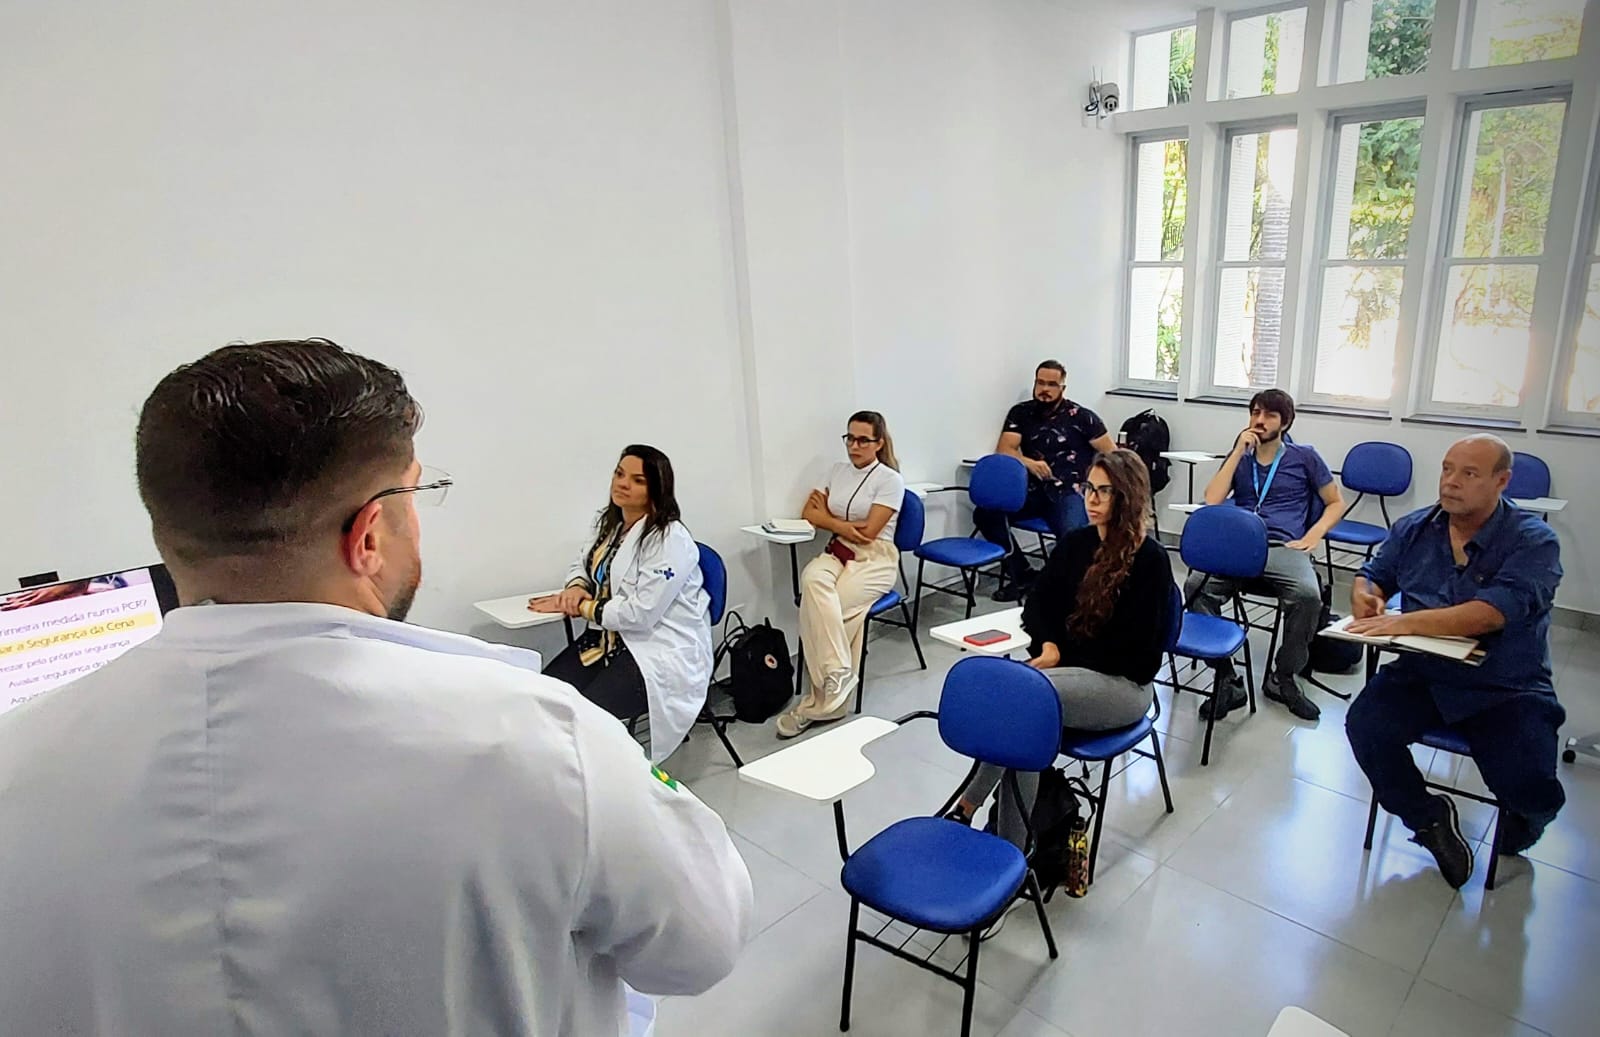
<point x="1280" y="481"/>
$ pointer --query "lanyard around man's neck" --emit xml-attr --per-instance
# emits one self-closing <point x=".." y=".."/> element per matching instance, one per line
<point x="1262" y="489"/>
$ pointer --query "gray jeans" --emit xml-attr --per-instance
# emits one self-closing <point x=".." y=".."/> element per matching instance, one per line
<point x="1090" y="701"/>
<point x="1292" y="576"/>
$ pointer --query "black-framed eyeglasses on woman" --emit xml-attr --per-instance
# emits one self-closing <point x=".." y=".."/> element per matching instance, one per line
<point x="850" y="440"/>
<point x="433" y="486"/>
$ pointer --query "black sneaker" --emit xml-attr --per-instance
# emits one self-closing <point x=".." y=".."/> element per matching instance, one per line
<point x="1450" y="851"/>
<point x="1227" y="694"/>
<point x="1015" y="590"/>
<point x="1291" y="696"/>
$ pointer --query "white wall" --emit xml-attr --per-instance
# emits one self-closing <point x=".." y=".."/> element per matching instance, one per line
<point x="714" y="225"/>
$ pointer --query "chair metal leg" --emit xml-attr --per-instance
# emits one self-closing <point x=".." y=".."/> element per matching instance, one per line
<point x="849" y="965"/>
<point x="1494" y="848"/>
<point x="800" y="669"/>
<point x="916" y="598"/>
<point x="1099" y="818"/>
<point x="969" y="579"/>
<point x="1211" y="723"/>
<point x="1372" y="822"/>
<point x="971" y="985"/>
<point x="1161" y="769"/>
<point x="1038" y="906"/>
<point x="861" y="668"/>
<point x="911" y="626"/>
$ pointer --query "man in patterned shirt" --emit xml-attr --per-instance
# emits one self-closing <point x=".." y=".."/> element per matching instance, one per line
<point x="1056" y="440"/>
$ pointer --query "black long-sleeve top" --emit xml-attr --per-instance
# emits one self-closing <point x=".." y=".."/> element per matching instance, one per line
<point x="1130" y="643"/>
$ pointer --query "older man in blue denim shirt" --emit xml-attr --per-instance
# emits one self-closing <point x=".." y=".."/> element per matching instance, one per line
<point x="1474" y="565"/>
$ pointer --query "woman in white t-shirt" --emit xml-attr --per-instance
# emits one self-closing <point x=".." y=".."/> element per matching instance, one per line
<point x="858" y="503"/>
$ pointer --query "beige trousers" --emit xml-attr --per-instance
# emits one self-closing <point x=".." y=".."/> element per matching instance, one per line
<point x="834" y="598"/>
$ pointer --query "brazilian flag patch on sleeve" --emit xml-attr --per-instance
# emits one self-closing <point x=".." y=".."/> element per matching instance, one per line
<point x="664" y="778"/>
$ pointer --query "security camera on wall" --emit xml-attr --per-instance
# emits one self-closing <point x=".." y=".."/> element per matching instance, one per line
<point x="1104" y="99"/>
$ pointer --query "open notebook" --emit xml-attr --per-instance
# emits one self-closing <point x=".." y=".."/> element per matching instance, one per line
<point x="794" y="526"/>
<point x="1462" y="649"/>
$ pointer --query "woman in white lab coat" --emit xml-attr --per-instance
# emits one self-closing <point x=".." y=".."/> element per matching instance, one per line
<point x="638" y="583"/>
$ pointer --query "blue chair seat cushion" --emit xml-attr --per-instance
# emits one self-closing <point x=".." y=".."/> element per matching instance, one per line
<point x="1447" y="740"/>
<point x="961" y="552"/>
<point x="889" y="601"/>
<point x="1208" y="637"/>
<point x="935" y="874"/>
<point x="1104" y="745"/>
<point x="1364" y="534"/>
<point x="1033" y="524"/>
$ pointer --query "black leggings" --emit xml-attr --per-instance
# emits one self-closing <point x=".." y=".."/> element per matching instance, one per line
<point x="615" y="685"/>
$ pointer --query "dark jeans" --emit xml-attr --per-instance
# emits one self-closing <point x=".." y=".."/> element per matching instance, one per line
<point x="615" y="685"/>
<point x="1061" y="506"/>
<point x="1514" y="745"/>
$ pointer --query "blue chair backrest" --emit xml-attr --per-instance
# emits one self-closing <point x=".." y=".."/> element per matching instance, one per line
<point x="1380" y="468"/>
<point x="910" y="523"/>
<point x="715" y="575"/>
<point x="1174" y="617"/>
<point x="1530" y="477"/>
<point x="1224" y="540"/>
<point x="999" y="483"/>
<point x="1000" y="711"/>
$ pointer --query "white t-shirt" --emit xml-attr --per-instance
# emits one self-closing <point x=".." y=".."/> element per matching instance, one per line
<point x="853" y="491"/>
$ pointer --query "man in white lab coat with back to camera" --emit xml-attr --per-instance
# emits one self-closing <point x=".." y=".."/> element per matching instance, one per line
<point x="291" y="813"/>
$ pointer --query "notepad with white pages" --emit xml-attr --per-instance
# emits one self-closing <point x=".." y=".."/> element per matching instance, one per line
<point x="1462" y="649"/>
<point x="786" y="526"/>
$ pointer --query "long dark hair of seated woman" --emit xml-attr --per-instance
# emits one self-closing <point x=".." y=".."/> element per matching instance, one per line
<point x="1129" y="477"/>
<point x="660" y="484"/>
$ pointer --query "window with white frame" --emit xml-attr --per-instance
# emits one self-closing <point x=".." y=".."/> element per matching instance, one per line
<point x="1265" y="52"/>
<point x="1582" y="397"/>
<point x="1510" y="32"/>
<point x="1163" y="67"/>
<point x="1160" y="193"/>
<point x="1377" y="39"/>
<point x="1370" y="201"/>
<point x="1258" y="191"/>
<point x="1483" y="317"/>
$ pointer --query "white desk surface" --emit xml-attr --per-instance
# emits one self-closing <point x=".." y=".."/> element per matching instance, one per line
<point x="512" y="613"/>
<point x="968" y="462"/>
<point x="1190" y="456"/>
<point x="1297" y="1022"/>
<point x="781" y="538"/>
<point x="1544" y="504"/>
<point x="823" y="767"/>
<point x="1187" y="509"/>
<point x="1010" y="620"/>
<point x="922" y="489"/>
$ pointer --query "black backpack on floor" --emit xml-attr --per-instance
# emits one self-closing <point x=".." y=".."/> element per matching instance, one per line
<point x="1331" y="654"/>
<point x="1054" y="813"/>
<point x="1147" y="435"/>
<point x="761" y="676"/>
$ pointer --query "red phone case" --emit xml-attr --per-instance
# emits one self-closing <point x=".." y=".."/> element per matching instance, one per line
<point x="986" y="637"/>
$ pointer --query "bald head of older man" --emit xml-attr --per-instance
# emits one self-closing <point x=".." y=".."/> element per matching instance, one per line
<point x="1474" y="475"/>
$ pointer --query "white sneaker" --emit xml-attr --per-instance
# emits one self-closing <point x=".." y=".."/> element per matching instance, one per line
<point x="791" y="724"/>
<point x="838" y="687"/>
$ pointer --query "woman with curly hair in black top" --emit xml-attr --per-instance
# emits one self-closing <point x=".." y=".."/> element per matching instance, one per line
<point x="1097" y="619"/>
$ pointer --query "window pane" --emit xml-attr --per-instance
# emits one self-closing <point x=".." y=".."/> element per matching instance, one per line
<point x="1509" y="32"/>
<point x="1260" y="190"/>
<point x="1163" y="67"/>
<point x="1249" y="328"/>
<point x="1155" y="315"/>
<point x="1484" y="341"/>
<point x="1511" y="162"/>
<point x="1264" y="53"/>
<point x="1583" y="390"/>
<point x="1374" y="188"/>
<point x="1160" y="200"/>
<point x="1379" y="38"/>
<point x="1359" y="319"/>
